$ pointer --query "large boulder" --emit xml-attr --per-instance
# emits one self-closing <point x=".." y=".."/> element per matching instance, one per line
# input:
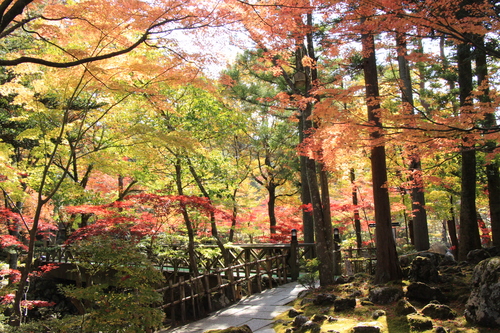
<point x="419" y="291"/>
<point x="343" y="304"/>
<point x="404" y="307"/>
<point x="385" y="295"/>
<point x="418" y="322"/>
<point x="483" y="306"/>
<point x="423" y="269"/>
<point x="439" y="311"/>
<point x="476" y="256"/>
<point x="324" y="299"/>
<point x="369" y="327"/>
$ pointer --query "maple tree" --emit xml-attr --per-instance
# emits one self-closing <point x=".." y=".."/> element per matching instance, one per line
<point x="72" y="130"/>
<point x="109" y="116"/>
<point x="83" y="32"/>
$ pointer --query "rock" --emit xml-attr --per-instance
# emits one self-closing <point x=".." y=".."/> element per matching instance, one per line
<point x="317" y="318"/>
<point x="440" y="329"/>
<point x="366" y="303"/>
<point x="378" y="313"/>
<point x="474" y="257"/>
<point x="299" y="321"/>
<point x="418" y="322"/>
<point x="404" y="307"/>
<point x="493" y="251"/>
<point x="371" y="327"/>
<point x="220" y="301"/>
<point x="292" y="313"/>
<point x="439" y="311"/>
<point x="306" y="300"/>
<point x="448" y="259"/>
<point x="324" y="299"/>
<point x="422" y="269"/>
<point x="385" y="295"/>
<point x="483" y="306"/>
<point x="311" y="326"/>
<point x="233" y="329"/>
<point x="404" y="261"/>
<point x="438" y="248"/>
<point x="435" y="258"/>
<point x="419" y="291"/>
<point x="343" y="304"/>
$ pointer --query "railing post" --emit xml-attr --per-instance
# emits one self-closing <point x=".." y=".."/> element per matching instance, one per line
<point x="294" y="254"/>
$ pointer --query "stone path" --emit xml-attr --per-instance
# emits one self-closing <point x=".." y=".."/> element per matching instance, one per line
<point x="257" y="311"/>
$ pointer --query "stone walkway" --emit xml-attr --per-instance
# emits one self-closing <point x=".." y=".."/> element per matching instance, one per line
<point x="257" y="311"/>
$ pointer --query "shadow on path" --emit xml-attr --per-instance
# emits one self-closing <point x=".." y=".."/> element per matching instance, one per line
<point x="257" y="311"/>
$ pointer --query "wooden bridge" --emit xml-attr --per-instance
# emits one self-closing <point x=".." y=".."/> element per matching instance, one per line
<point x="252" y="268"/>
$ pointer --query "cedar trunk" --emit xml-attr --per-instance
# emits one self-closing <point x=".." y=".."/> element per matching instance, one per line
<point x="307" y="217"/>
<point x="469" y="232"/>
<point x="388" y="268"/>
<point x="419" y="214"/>
<point x="492" y="167"/>
<point x="322" y="225"/>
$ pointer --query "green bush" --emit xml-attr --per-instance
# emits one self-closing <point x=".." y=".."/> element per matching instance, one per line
<point x="308" y="279"/>
<point x="120" y="292"/>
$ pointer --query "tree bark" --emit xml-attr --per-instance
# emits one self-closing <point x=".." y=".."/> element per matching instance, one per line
<point x="322" y="226"/>
<point x="193" y="265"/>
<point x="388" y="268"/>
<point x="419" y="214"/>
<point x="307" y="217"/>
<point x="319" y="193"/>
<point x="469" y="232"/>
<point x="492" y="167"/>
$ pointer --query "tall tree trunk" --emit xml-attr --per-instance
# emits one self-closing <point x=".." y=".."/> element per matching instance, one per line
<point x="193" y="265"/>
<point x="492" y="167"/>
<point x="319" y="193"/>
<point x="421" y="231"/>
<point x="357" y="221"/>
<point x="215" y="234"/>
<point x="234" y="214"/>
<point x="271" y="204"/>
<point x="13" y="227"/>
<point x="469" y="232"/>
<point x="388" y="268"/>
<point x="213" y="224"/>
<point x="307" y="217"/>
<point x="452" y="228"/>
<point x="325" y="191"/>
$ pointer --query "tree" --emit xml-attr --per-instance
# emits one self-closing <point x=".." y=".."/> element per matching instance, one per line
<point x="388" y="268"/>
<point x="110" y="29"/>
<point x="419" y="215"/>
<point x="64" y="127"/>
<point x="293" y="58"/>
<point x="468" y="232"/>
<point x="271" y="135"/>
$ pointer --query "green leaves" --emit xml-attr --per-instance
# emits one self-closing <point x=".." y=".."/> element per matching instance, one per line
<point x="121" y="296"/>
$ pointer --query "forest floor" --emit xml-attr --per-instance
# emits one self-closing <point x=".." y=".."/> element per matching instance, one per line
<point x="456" y="288"/>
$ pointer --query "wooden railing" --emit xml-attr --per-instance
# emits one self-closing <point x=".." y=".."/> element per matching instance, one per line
<point x="252" y="268"/>
<point x="358" y="260"/>
<point x="233" y="282"/>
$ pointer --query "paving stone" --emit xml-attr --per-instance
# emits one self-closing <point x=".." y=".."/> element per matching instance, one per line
<point x="257" y="311"/>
